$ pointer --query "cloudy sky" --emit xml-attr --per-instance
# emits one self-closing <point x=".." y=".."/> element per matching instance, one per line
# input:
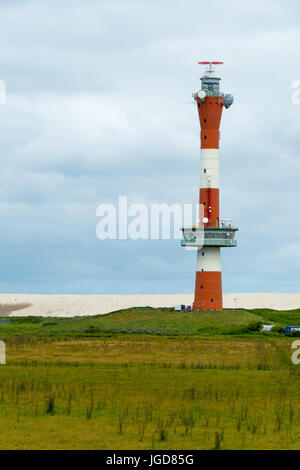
<point x="99" y="105"/>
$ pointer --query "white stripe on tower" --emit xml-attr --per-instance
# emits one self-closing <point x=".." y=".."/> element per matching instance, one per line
<point x="209" y="168"/>
<point x="208" y="259"/>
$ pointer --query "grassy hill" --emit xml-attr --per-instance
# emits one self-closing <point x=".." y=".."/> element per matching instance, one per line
<point x="150" y="321"/>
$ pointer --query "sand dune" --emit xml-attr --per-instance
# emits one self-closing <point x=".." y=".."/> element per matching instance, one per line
<point x="73" y="305"/>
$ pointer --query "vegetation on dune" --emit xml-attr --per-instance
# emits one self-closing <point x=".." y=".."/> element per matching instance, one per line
<point x="150" y="321"/>
<point x="279" y="317"/>
<point x="133" y="321"/>
<point x="150" y="379"/>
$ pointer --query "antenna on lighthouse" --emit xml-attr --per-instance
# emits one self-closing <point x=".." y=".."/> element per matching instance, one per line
<point x="210" y="64"/>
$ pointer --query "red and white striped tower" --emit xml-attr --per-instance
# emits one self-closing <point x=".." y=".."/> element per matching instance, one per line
<point x="217" y="233"/>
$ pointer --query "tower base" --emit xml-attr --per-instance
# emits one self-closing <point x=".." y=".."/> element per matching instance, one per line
<point x="208" y="291"/>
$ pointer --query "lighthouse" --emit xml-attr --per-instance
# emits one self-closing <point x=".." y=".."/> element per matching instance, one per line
<point x="211" y="232"/>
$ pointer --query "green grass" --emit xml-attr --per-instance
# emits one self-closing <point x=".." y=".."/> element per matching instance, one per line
<point x="279" y="317"/>
<point x="150" y="379"/>
<point x="149" y="393"/>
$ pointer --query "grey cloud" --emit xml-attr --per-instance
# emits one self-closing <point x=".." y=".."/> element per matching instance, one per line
<point x="98" y="105"/>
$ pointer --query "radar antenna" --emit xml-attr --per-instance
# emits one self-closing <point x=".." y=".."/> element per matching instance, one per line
<point x="210" y="64"/>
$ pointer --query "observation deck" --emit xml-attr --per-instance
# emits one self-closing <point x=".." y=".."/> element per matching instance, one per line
<point x="221" y="236"/>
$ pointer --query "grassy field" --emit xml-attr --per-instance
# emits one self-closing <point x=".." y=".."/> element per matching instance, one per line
<point x="150" y="379"/>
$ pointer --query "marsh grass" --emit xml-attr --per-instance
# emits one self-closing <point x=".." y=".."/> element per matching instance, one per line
<point x="149" y="392"/>
<point x="149" y="406"/>
<point x="50" y="405"/>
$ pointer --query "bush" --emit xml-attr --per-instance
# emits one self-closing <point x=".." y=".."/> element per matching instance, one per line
<point x="278" y="329"/>
<point x="50" y="405"/>
<point x="251" y="327"/>
<point x="294" y="334"/>
<point x="50" y="323"/>
<point x="92" y="330"/>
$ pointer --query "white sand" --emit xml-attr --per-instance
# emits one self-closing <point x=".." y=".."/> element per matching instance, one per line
<point x="73" y="305"/>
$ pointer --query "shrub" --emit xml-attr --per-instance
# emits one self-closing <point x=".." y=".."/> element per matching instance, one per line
<point x="294" y="334"/>
<point x="50" y="405"/>
<point x="278" y="329"/>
